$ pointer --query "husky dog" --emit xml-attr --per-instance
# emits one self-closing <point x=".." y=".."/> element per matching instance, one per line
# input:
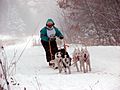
<point x="58" y="60"/>
<point x="76" y="57"/>
<point x="66" y="64"/>
<point x="62" y="61"/>
<point x="85" y="60"/>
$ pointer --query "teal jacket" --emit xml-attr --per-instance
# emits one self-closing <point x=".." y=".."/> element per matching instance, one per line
<point x="43" y="34"/>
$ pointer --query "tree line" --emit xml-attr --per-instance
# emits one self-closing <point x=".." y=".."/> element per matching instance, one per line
<point x="91" y="22"/>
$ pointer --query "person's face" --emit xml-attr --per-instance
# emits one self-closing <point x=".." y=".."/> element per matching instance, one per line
<point x="50" y="24"/>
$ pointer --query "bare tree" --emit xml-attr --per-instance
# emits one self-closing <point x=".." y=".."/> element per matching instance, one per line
<point x="94" y="20"/>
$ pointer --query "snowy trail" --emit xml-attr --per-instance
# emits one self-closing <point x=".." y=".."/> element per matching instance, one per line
<point x="34" y="74"/>
<point x="32" y="71"/>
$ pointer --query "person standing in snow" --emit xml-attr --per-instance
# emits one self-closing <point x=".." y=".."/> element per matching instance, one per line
<point x="48" y="36"/>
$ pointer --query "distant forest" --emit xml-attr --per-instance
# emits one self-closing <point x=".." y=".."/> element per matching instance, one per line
<point x="91" y="22"/>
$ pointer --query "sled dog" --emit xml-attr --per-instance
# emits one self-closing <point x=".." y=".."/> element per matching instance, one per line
<point x="63" y="61"/>
<point x="85" y="60"/>
<point x="76" y="57"/>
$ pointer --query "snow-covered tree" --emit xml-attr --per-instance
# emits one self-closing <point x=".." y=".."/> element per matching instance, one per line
<point x="96" y="21"/>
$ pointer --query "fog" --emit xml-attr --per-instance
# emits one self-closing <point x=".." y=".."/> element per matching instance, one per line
<point x="21" y="18"/>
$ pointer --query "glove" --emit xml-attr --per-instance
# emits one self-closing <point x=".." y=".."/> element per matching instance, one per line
<point x="61" y="37"/>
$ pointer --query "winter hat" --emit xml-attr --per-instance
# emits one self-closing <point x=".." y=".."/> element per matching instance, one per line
<point x="50" y="23"/>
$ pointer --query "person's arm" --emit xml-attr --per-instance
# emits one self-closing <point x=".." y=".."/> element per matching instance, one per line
<point x="58" y="33"/>
<point x="43" y="34"/>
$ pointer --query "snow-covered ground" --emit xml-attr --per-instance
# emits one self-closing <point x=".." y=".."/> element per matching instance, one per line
<point x="33" y="73"/>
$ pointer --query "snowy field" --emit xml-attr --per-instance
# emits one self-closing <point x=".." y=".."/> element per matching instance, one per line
<point x="33" y="73"/>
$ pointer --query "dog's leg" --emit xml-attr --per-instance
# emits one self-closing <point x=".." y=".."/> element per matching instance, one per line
<point x="64" y="65"/>
<point x="65" y="70"/>
<point x="69" y="65"/>
<point x="76" y="66"/>
<point x="56" y="63"/>
<point x="89" y="64"/>
<point x="60" y="66"/>
<point x="84" y="67"/>
<point x="81" y="64"/>
<point x="69" y="69"/>
<point x="60" y="70"/>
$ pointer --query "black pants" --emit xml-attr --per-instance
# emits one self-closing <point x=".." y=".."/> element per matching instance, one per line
<point x="50" y="49"/>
